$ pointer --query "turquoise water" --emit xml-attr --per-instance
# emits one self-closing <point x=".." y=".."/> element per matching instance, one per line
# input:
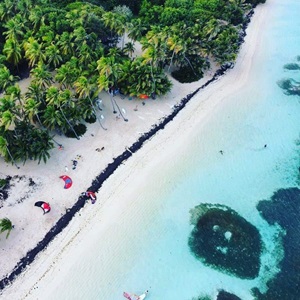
<point x="244" y="175"/>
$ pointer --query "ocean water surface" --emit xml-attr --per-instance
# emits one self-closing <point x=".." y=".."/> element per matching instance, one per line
<point x="245" y="174"/>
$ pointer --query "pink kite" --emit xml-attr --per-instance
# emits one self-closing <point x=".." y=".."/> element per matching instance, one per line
<point x="127" y="296"/>
<point x="43" y="205"/>
<point x="67" y="180"/>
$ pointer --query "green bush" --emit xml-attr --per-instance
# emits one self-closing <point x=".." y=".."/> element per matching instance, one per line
<point x="186" y="75"/>
<point x="91" y="119"/>
<point x="3" y="182"/>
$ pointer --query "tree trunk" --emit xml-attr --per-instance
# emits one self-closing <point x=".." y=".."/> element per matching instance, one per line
<point x="94" y="110"/>
<point x="12" y="158"/>
<point x="120" y="111"/>
<point x="190" y="65"/>
<point x="171" y="60"/>
<point x="69" y="124"/>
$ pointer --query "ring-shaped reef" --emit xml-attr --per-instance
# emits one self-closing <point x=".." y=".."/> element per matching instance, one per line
<point x="225" y="241"/>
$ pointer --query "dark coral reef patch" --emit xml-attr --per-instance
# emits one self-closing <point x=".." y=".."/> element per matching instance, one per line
<point x="284" y="209"/>
<point x="225" y="241"/>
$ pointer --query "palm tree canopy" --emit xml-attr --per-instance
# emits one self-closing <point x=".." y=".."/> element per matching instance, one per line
<point x="6" y="225"/>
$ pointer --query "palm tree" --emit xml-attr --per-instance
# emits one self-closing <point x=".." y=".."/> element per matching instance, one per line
<point x="12" y="50"/>
<point x="37" y="18"/>
<point x="7" y="119"/>
<point x="80" y="37"/>
<point x="34" y="52"/>
<point x="6" y="225"/>
<point x="4" y="151"/>
<point x="136" y="29"/>
<point x="64" y="76"/>
<point x="24" y="7"/>
<point x="68" y="73"/>
<point x="66" y="44"/>
<point x="150" y="57"/>
<point x="86" y="90"/>
<point x="6" y="79"/>
<point x="36" y="93"/>
<point x="129" y="49"/>
<point x="57" y="100"/>
<point x="14" y="28"/>
<point x="53" y="56"/>
<point x="31" y="107"/>
<point x="174" y="43"/>
<point x="7" y="10"/>
<point x="41" y="76"/>
<point x="108" y="71"/>
<point x="86" y="55"/>
<point x="110" y="19"/>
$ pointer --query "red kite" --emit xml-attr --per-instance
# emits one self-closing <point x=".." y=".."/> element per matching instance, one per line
<point x="143" y="96"/>
<point x="67" y="180"/>
<point x="91" y="195"/>
<point x="43" y="205"/>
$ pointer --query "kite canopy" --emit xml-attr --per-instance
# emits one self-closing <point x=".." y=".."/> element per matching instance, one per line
<point x="43" y="205"/>
<point x="67" y="180"/>
<point x="91" y="195"/>
<point x="143" y="96"/>
<point x="127" y="296"/>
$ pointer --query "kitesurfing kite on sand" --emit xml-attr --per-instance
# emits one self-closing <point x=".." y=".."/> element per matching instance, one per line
<point x="67" y="180"/>
<point x="91" y="195"/>
<point x="43" y="205"/>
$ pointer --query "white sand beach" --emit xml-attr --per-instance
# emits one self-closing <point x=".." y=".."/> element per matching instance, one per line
<point x="119" y="198"/>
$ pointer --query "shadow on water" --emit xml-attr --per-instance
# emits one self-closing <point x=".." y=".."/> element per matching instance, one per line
<point x="290" y="85"/>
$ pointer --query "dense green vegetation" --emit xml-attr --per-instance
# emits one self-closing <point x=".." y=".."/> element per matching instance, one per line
<point x="70" y="50"/>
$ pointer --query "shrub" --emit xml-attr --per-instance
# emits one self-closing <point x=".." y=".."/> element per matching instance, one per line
<point x="80" y="130"/>
<point x="91" y="119"/>
<point x="186" y="75"/>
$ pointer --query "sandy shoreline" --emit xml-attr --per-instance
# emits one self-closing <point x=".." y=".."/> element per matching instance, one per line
<point x="195" y="112"/>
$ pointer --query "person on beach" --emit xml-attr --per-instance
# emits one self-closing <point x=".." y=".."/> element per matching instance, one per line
<point x="75" y="162"/>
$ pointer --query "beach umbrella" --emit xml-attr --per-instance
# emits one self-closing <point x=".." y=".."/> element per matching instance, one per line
<point x="68" y="181"/>
<point x="43" y="205"/>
